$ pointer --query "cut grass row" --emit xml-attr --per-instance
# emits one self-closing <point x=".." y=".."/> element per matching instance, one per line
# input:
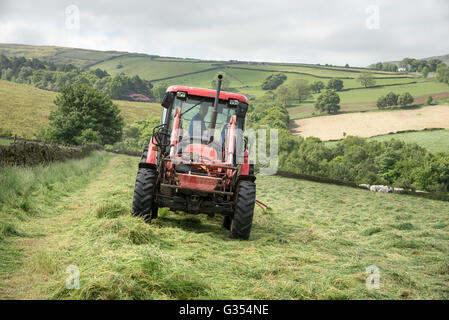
<point x="24" y="109"/>
<point x="314" y="242"/>
<point x="30" y="192"/>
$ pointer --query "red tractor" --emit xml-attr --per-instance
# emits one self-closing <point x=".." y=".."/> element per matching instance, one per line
<point x="205" y="169"/>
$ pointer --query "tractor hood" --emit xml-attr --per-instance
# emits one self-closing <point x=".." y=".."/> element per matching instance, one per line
<point x="208" y="93"/>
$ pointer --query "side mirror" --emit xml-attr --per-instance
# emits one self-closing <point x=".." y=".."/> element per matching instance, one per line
<point x="167" y="100"/>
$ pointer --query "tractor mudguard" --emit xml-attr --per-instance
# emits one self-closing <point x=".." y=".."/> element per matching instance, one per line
<point x="152" y="151"/>
<point x="150" y="161"/>
<point x="244" y="171"/>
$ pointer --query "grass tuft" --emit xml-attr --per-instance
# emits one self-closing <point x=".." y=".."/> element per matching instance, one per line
<point x="405" y="226"/>
<point x="371" y="231"/>
<point x="111" y="210"/>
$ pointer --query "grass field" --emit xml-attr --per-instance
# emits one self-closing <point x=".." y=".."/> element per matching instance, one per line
<point x="151" y="69"/>
<point x="434" y="140"/>
<point x="315" y="242"/>
<point x="372" y="123"/>
<point x="365" y="99"/>
<point x="24" y="109"/>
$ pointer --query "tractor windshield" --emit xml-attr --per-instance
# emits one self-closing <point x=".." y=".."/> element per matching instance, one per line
<point x="196" y="117"/>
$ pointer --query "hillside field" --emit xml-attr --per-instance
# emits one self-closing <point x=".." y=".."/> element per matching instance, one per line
<point x="315" y="241"/>
<point x="361" y="100"/>
<point x="60" y="55"/>
<point x="24" y="109"/>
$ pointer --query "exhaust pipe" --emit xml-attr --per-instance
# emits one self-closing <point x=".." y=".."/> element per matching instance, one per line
<point x="215" y="111"/>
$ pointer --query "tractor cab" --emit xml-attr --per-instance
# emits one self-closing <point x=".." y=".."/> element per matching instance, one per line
<point x="189" y="118"/>
<point x="197" y="161"/>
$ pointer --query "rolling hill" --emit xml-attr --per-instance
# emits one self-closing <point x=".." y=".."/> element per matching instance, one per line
<point x="245" y="78"/>
<point x="24" y="109"/>
<point x="60" y="55"/>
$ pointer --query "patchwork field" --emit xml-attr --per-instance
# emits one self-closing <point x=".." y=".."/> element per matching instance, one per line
<point x="245" y="77"/>
<point x="315" y="241"/>
<point x="24" y="109"/>
<point x="372" y="123"/>
<point x="151" y="68"/>
<point x="365" y="99"/>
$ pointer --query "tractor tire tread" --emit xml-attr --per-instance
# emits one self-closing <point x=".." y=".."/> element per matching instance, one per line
<point x="244" y="210"/>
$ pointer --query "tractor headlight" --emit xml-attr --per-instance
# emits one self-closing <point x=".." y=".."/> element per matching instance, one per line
<point x="181" y="94"/>
<point x="233" y="102"/>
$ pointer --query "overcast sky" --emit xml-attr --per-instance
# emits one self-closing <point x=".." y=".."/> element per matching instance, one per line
<point x="357" y="32"/>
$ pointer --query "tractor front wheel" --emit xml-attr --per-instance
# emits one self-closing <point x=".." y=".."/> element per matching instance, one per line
<point x="244" y="210"/>
<point x="143" y="201"/>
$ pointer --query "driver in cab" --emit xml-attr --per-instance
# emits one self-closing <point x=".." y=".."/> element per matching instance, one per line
<point x="197" y="125"/>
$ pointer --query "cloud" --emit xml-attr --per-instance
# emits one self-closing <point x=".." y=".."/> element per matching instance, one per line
<point x="307" y="31"/>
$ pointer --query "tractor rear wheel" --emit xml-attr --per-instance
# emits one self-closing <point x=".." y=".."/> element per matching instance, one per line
<point x="244" y="210"/>
<point x="143" y="201"/>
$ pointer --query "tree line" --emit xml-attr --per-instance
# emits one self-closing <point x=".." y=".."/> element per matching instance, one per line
<point x="50" y="76"/>
<point x="392" y="99"/>
<point x="410" y="64"/>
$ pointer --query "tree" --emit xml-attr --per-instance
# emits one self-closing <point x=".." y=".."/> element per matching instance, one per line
<point x="382" y="102"/>
<point x="366" y="79"/>
<point x="283" y="95"/>
<point x="301" y="90"/>
<point x="425" y="72"/>
<point x="442" y="73"/>
<point x="84" y="114"/>
<point x="433" y="64"/>
<point x="429" y="100"/>
<point x="335" y="84"/>
<point x="273" y="81"/>
<point x="405" y="99"/>
<point x="225" y="82"/>
<point x="328" y="102"/>
<point x="391" y="99"/>
<point x="317" y="86"/>
<point x="159" y="91"/>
